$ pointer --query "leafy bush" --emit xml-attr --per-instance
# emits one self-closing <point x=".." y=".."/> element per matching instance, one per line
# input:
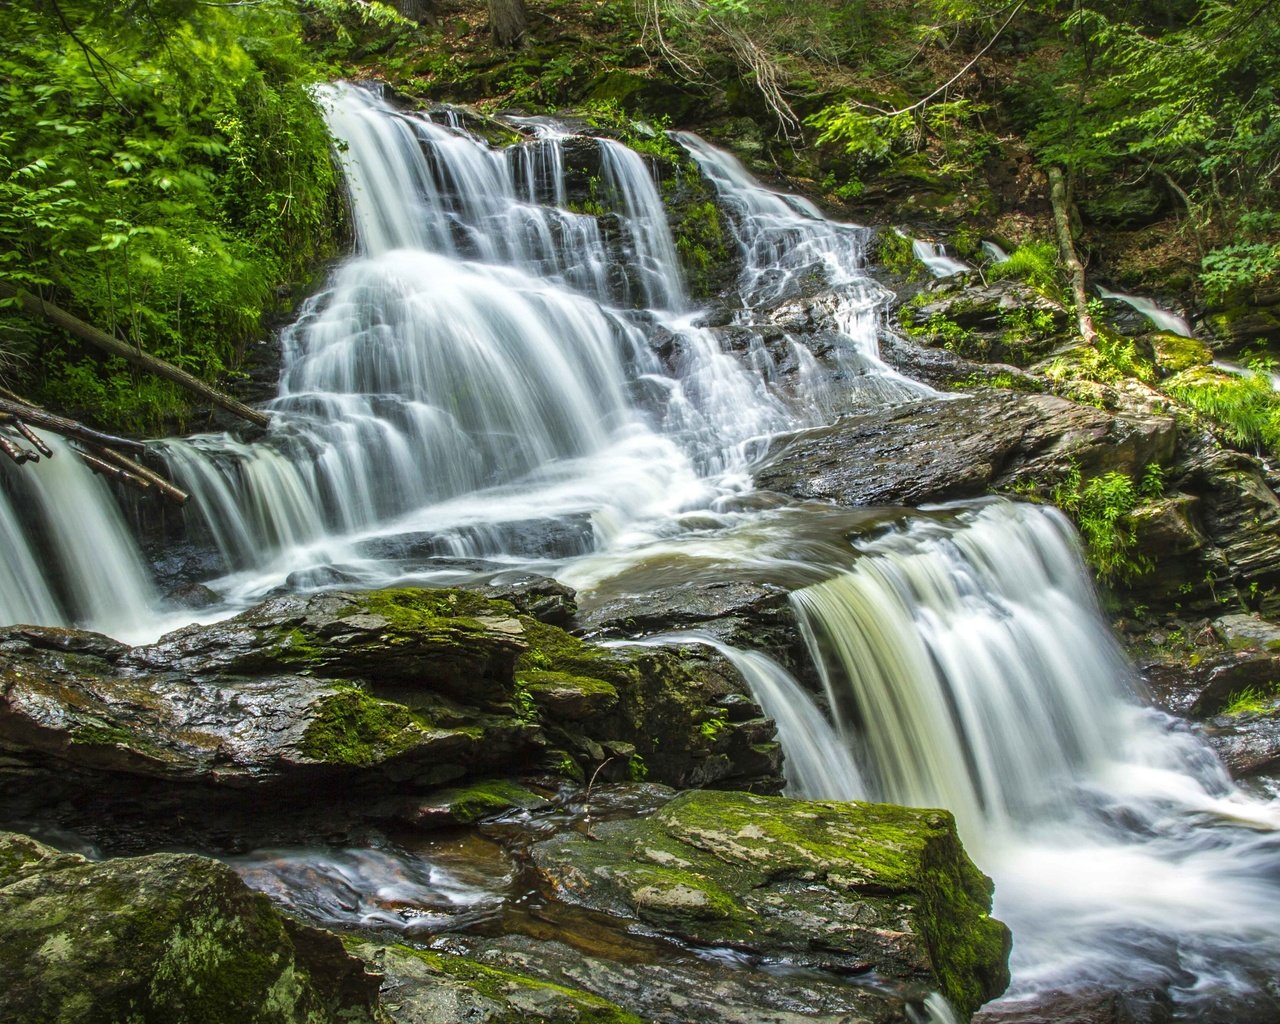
<point x="1102" y="508"/>
<point x="1035" y="263"/>
<point x="1245" y="409"/>
<point x="162" y="172"/>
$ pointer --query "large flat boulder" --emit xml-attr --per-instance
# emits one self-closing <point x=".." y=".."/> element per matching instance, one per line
<point x="943" y="449"/>
<point x="379" y="693"/>
<point x="864" y="887"/>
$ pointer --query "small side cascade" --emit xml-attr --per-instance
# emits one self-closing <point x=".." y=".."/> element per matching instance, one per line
<point x="1162" y="319"/>
<point x="66" y="554"/>
<point x="995" y="254"/>
<point x="786" y="244"/>
<point x="934" y="256"/>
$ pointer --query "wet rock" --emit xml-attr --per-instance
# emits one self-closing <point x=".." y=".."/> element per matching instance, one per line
<point x="193" y="595"/>
<point x="545" y="599"/>
<point x="425" y="987"/>
<point x="1240" y="513"/>
<point x="165" y="937"/>
<point x="1002" y="321"/>
<point x="942" y="449"/>
<point x="403" y="689"/>
<point x="1248" y="632"/>
<point x="657" y="982"/>
<point x="1204" y="684"/>
<point x="863" y="886"/>
<point x="1085" y="1007"/>
<point x="1248" y="741"/>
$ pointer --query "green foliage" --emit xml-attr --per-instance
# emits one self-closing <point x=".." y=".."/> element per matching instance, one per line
<point x="1245" y="409"/>
<point x="1034" y="263"/>
<point x="896" y="255"/>
<point x="1102" y="508"/>
<point x="161" y="174"/>
<point x="1252" y="700"/>
<point x="648" y="137"/>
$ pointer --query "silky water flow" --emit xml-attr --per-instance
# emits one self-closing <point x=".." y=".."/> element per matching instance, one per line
<point x="496" y="375"/>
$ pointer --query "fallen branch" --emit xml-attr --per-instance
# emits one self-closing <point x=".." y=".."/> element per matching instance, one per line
<point x="36" y="416"/>
<point x="102" y="455"/>
<point x="1060" y="197"/>
<point x="148" y="479"/>
<point x="36" y="307"/>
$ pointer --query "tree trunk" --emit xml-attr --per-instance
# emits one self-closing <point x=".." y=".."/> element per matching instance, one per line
<point x="36" y="307"/>
<point x="420" y="11"/>
<point x="1061" y="199"/>
<point x="508" y="21"/>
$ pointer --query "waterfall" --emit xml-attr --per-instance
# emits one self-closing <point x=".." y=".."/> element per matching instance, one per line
<point x="497" y="374"/>
<point x="65" y="553"/>
<point x="1161" y="319"/>
<point x="995" y="254"/>
<point x="934" y="256"/>
<point x="968" y="663"/>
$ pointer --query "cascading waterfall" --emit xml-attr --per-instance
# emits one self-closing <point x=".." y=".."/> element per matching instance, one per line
<point x="492" y="358"/>
<point x="968" y="661"/>
<point x="934" y="256"/>
<point x="1162" y="319"/>
<point x="66" y="555"/>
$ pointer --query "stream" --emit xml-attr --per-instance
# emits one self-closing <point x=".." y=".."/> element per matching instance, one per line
<point x="498" y="378"/>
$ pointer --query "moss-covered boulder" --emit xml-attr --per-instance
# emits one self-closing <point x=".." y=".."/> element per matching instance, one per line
<point x="1001" y="321"/>
<point x="866" y="886"/>
<point x="424" y="987"/>
<point x="164" y="938"/>
<point x="379" y="694"/>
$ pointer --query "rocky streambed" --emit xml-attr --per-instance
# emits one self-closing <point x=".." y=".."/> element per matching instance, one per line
<point x="479" y="803"/>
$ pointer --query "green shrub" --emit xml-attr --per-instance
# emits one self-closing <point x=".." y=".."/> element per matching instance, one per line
<point x="1246" y="410"/>
<point x="1036" y="264"/>
<point x="1102" y="508"/>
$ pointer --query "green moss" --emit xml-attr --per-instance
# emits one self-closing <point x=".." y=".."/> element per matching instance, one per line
<point x="296" y="648"/>
<point x="413" y="608"/>
<point x="104" y="736"/>
<point x="352" y="728"/>
<point x="714" y="867"/>
<point x="1174" y="353"/>
<point x="486" y="799"/>
<point x="501" y="986"/>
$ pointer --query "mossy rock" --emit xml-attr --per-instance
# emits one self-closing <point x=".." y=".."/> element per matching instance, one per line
<point x="476" y="801"/>
<point x="1173" y="353"/>
<point x="164" y="938"/>
<point x="426" y="987"/>
<point x="872" y="885"/>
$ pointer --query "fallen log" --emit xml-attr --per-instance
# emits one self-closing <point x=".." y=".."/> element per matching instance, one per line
<point x="105" y="468"/>
<point x="36" y="307"/>
<point x="148" y="477"/>
<point x="19" y="455"/>
<point x="36" y="416"/>
<point x="102" y="455"/>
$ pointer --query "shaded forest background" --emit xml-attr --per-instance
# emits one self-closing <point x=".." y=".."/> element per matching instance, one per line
<point x="165" y="176"/>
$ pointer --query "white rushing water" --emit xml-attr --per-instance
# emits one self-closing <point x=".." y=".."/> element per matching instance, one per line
<point x="968" y="658"/>
<point x="934" y="256"/>
<point x="1162" y="319"/>
<point x="496" y="374"/>
<point x="79" y="564"/>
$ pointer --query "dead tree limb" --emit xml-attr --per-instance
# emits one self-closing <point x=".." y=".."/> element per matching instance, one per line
<point x="68" y="428"/>
<point x="37" y="308"/>
<point x="1060" y="196"/>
